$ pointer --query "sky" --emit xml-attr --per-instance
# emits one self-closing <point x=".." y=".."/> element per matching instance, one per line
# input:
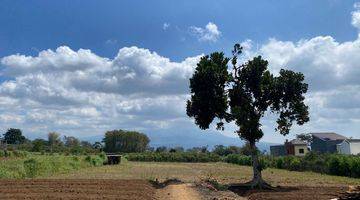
<point x="81" y="68"/>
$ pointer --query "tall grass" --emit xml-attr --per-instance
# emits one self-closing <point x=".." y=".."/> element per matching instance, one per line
<point x="46" y="165"/>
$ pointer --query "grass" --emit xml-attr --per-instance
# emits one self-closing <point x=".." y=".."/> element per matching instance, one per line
<point x="34" y="166"/>
<point x="192" y="172"/>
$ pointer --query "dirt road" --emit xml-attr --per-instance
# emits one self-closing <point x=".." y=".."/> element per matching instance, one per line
<point x="178" y="192"/>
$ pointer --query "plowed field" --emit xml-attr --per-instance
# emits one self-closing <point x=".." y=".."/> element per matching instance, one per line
<point x="76" y="189"/>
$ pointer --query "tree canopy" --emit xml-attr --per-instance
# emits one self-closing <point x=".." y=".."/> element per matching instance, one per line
<point x="243" y="93"/>
<point x="125" y="141"/>
<point x="14" y="136"/>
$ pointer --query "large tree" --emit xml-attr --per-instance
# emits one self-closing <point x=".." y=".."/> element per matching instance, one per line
<point x="14" y="136"/>
<point x="125" y="141"/>
<point x="243" y="93"/>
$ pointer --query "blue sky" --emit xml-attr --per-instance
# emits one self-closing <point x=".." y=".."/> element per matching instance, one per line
<point x="48" y="84"/>
<point x="29" y="26"/>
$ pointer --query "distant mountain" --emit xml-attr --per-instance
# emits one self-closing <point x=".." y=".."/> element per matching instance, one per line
<point x="190" y="139"/>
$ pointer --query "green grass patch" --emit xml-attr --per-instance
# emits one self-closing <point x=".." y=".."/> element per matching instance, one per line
<point x="34" y="166"/>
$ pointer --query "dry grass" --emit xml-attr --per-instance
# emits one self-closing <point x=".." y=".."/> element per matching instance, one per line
<point x="192" y="172"/>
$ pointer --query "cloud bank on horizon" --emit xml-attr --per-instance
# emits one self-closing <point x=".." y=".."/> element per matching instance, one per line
<point x="81" y="93"/>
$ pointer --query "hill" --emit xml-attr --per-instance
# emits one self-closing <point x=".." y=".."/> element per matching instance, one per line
<point x="189" y="139"/>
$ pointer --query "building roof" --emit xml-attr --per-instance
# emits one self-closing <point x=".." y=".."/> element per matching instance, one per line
<point x="298" y="142"/>
<point x="353" y="140"/>
<point x="328" y="136"/>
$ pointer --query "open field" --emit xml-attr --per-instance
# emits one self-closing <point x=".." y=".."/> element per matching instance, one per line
<point x="76" y="189"/>
<point x="130" y="180"/>
<point x="302" y="185"/>
<point x="194" y="172"/>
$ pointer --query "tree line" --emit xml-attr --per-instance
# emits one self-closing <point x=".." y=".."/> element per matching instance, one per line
<point x="115" y="141"/>
<point x="13" y="139"/>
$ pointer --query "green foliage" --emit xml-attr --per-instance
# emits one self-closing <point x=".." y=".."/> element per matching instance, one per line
<point x="238" y="159"/>
<point x="209" y="99"/>
<point x="174" y="157"/>
<point x="46" y="165"/>
<point x="333" y="164"/>
<point x="32" y="168"/>
<point x="13" y="154"/>
<point x="250" y="90"/>
<point x="39" y="145"/>
<point x="125" y="141"/>
<point x="70" y="141"/>
<point x="14" y="136"/>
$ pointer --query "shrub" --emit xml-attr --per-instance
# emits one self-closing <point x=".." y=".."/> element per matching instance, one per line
<point x="32" y="168"/>
<point x="295" y="164"/>
<point x="173" y="157"/>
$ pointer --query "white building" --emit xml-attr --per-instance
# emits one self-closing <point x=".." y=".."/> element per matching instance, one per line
<point x="349" y="146"/>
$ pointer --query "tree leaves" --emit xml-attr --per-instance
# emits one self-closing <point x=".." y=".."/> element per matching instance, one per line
<point x="209" y="99"/>
<point x="250" y="90"/>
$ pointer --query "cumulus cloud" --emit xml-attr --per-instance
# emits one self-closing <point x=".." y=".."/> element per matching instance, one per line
<point x="332" y="70"/>
<point x="210" y="33"/>
<point x="79" y="92"/>
<point x="67" y="89"/>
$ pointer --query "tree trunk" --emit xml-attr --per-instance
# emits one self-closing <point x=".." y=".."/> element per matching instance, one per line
<point x="257" y="181"/>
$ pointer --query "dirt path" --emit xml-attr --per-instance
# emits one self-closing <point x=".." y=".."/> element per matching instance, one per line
<point x="182" y="191"/>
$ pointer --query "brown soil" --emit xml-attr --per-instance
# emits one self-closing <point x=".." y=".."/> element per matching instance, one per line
<point x="76" y="189"/>
<point x="178" y="192"/>
<point x="292" y="193"/>
<point x="141" y="189"/>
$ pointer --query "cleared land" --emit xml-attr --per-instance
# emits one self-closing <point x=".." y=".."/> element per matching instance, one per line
<point x="195" y="172"/>
<point x="302" y="185"/>
<point x="129" y="180"/>
<point x="76" y="189"/>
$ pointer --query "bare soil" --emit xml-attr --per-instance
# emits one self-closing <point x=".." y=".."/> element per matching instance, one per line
<point x="178" y="191"/>
<point x="292" y="193"/>
<point x="76" y="189"/>
<point x="129" y="181"/>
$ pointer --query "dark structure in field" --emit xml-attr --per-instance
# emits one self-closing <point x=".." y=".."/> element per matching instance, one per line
<point x="113" y="159"/>
<point x="278" y="150"/>
<point x="326" y="142"/>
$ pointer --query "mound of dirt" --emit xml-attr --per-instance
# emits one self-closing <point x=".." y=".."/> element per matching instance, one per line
<point x="76" y="189"/>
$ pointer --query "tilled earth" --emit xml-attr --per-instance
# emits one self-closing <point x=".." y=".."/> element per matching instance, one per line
<point x="295" y="193"/>
<point x="76" y="189"/>
<point x="141" y="189"/>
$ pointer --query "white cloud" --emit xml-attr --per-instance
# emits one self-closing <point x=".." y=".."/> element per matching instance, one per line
<point x="210" y="33"/>
<point x="81" y="93"/>
<point x="356" y="16"/>
<point x="78" y="91"/>
<point x="332" y="70"/>
<point x="166" y="26"/>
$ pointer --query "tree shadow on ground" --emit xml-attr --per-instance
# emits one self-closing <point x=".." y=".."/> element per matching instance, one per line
<point x="246" y="190"/>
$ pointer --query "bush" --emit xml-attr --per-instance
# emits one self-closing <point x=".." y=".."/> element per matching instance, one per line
<point x="340" y="165"/>
<point x="295" y="164"/>
<point x="97" y="160"/>
<point x="173" y="157"/>
<point x="32" y="168"/>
